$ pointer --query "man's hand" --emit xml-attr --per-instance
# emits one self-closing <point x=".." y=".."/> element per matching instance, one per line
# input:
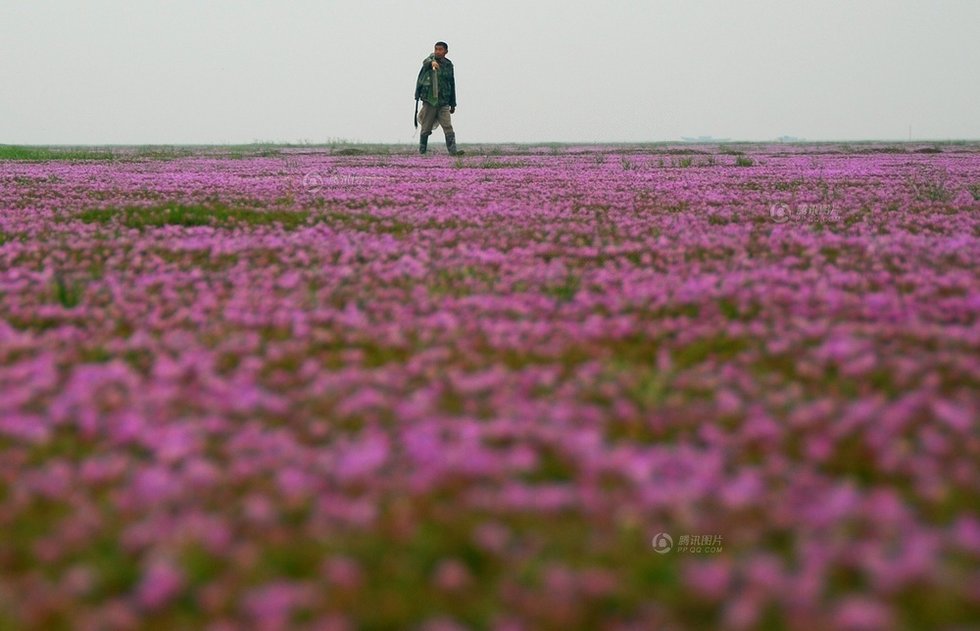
<point x="435" y="65"/>
<point x="452" y="110"/>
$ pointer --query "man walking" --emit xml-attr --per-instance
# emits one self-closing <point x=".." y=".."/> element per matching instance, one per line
<point x="436" y="87"/>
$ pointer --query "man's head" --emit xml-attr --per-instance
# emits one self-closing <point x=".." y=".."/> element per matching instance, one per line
<point x="440" y="50"/>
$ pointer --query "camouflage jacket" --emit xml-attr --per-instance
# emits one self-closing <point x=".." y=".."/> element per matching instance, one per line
<point x="442" y="79"/>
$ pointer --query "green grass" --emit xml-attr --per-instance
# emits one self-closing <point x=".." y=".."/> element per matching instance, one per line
<point x="22" y="152"/>
<point x="67" y="293"/>
<point x="7" y="237"/>
<point x="162" y="152"/>
<point x="791" y="185"/>
<point x="193" y="215"/>
<point x="931" y="185"/>
<point x="566" y="290"/>
<point x="499" y="164"/>
<point x="719" y="347"/>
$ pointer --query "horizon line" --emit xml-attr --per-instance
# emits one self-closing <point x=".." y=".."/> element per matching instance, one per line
<point x="344" y="141"/>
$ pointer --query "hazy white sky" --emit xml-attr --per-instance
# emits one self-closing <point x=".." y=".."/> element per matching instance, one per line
<point x="230" y="71"/>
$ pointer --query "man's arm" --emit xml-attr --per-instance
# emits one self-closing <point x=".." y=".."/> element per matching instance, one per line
<point x="426" y="66"/>
<point x="418" y="84"/>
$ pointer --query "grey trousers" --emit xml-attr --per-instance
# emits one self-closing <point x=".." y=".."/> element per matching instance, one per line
<point x="430" y="115"/>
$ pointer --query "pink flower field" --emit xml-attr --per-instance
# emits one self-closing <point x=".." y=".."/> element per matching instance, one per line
<point x="533" y="387"/>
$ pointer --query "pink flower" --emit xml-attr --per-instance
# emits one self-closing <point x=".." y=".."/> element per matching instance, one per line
<point x="858" y="613"/>
<point x="957" y="417"/>
<point x="343" y="572"/>
<point x="709" y="579"/>
<point x="161" y="582"/>
<point x="451" y="575"/>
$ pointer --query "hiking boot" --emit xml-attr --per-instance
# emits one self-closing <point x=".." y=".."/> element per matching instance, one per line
<point x="424" y="142"/>
<point x="451" y="145"/>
